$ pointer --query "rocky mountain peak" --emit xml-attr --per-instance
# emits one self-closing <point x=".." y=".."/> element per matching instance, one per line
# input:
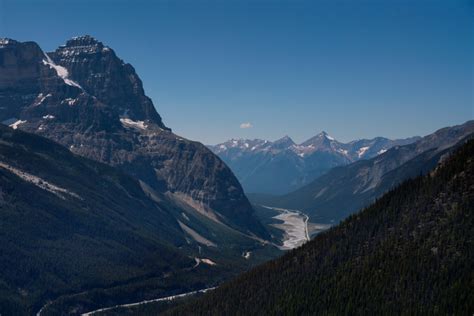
<point x="321" y="142"/>
<point x="83" y="47"/>
<point x="283" y="143"/>
<point x="7" y="41"/>
<point x="104" y="75"/>
<point x="84" y="40"/>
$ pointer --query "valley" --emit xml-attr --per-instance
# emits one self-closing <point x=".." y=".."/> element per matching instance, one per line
<point x="413" y="237"/>
<point x="107" y="205"/>
<point x="177" y="195"/>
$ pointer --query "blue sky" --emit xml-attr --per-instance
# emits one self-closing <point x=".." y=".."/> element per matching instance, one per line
<point x="355" y="69"/>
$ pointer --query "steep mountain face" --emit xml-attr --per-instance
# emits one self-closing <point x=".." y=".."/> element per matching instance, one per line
<point x="411" y="252"/>
<point x="102" y="74"/>
<point x="87" y="99"/>
<point x="282" y="166"/>
<point x="346" y="189"/>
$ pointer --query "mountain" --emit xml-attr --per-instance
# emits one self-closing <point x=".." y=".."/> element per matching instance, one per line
<point x="126" y="210"/>
<point x="87" y="99"/>
<point x="282" y="166"/>
<point x="346" y="189"/>
<point x="84" y="235"/>
<point x="410" y="252"/>
<point x="70" y="224"/>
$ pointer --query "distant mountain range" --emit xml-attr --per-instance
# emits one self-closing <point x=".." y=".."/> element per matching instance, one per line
<point x="410" y="252"/>
<point x="346" y="189"/>
<point x="283" y="166"/>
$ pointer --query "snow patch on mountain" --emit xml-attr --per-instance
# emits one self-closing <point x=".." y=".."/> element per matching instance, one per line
<point x="362" y="151"/>
<point x="126" y="122"/>
<point x="204" y="260"/>
<point x="61" y="71"/>
<point x="16" y="124"/>
<point x="69" y="101"/>
<point x="330" y="137"/>
<point x="40" y="99"/>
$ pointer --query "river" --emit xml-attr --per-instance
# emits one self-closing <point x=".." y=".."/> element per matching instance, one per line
<point x="295" y="226"/>
<point x="168" y="298"/>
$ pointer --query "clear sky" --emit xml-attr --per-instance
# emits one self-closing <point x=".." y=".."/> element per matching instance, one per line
<point x="355" y="69"/>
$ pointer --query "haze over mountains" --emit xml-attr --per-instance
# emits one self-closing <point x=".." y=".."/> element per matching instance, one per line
<point x="283" y="166"/>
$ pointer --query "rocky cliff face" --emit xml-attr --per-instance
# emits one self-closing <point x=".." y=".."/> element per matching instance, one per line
<point x="102" y="74"/>
<point x="86" y="98"/>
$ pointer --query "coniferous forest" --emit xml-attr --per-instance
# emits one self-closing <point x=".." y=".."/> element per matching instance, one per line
<point x="411" y="252"/>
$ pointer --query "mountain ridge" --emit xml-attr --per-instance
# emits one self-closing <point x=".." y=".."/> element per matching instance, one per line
<point x="283" y="166"/>
<point x="345" y="189"/>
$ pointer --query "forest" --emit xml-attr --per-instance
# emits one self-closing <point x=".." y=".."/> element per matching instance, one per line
<point x="410" y="252"/>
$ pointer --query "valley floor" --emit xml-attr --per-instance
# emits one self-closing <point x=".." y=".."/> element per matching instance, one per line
<point x="297" y="231"/>
<point x="296" y="226"/>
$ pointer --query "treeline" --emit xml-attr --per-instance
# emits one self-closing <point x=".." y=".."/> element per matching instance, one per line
<point x="411" y="252"/>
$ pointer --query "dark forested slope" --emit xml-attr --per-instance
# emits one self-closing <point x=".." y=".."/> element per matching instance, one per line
<point x="72" y="225"/>
<point x="410" y="252"/>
